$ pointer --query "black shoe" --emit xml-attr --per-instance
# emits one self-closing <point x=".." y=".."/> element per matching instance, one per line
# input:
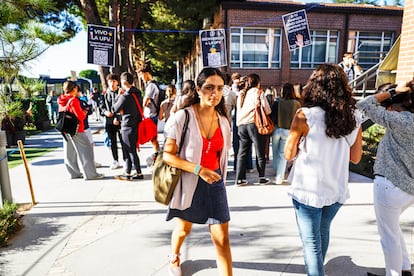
<point x="372" y="274"/>
<point x="138" y="176"/>
<point x="241" y="182"/>
<point x="123" y="177"/>
<point x="264" y="181"/>
<point x="406" y="273"/>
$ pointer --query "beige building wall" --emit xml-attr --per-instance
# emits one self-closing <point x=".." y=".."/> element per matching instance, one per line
<point x="405" y="71"/>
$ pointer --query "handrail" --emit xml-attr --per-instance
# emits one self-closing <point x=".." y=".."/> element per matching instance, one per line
<point x="364" y="78"/>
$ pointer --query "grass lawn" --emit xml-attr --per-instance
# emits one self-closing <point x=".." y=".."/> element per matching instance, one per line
<point x="15" y="159"/>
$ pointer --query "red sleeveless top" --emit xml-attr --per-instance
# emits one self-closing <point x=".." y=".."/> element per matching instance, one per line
<point x="210" y="157"/>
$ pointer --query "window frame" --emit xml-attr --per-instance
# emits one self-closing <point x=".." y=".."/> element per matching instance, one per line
<point x="329" y="35"/>
<point x="270" y="37"/>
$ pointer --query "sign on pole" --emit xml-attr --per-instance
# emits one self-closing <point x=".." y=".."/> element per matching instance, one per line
<point x="297" y="29"/>
<point x="101" y="45"/>
<point x="213" y="47"/>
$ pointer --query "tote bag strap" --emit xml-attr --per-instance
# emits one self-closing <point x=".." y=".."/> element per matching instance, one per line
<point x="138" y="105"/>
<point x="187" y="119"/>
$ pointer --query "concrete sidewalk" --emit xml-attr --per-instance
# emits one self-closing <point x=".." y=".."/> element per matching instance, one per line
<point x="112" y="227"/>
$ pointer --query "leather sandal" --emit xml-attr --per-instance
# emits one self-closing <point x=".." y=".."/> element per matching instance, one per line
<point x="174" y="270"/>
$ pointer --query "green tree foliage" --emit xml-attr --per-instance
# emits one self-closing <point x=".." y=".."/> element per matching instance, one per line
<point x="179" y="22"/>
<point x="89" y="74"/>
<point x="28" y="28"/>
<point x="140" y="19"/>
<point x="54" y="23"/>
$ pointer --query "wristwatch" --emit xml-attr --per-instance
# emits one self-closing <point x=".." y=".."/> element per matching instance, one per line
<point x="392" y="92"/>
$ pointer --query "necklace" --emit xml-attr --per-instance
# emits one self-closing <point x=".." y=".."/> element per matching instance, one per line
<point x="202" y="124"/>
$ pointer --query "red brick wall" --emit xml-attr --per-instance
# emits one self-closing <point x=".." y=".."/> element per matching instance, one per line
<point x="405" y="71"/>
<point x="323" y="20"/>
<point x="317" y="20"/>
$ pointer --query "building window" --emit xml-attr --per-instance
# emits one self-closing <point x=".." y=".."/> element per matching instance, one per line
<point x="255" y="48"/>
<point x="324" y="49"/>
<point x="369" y="48"/>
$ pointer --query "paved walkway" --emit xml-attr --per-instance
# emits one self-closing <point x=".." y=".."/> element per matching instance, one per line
<point x="112" y="227"/>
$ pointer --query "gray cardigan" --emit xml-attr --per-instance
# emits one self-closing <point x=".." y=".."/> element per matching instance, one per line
<point x="395" y="155"/>
<point x="191" y="151"/>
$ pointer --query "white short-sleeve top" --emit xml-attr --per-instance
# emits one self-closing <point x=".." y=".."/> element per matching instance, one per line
<point x="319" y="176"/>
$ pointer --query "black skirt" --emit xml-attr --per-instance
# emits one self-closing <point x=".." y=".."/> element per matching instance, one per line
<point x="209" y="204"/>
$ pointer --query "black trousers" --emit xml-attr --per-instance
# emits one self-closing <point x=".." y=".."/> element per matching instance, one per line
<point x="129" y="142"/>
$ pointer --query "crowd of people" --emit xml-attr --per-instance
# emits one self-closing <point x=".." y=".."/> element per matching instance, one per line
<point x="315" y="124"/>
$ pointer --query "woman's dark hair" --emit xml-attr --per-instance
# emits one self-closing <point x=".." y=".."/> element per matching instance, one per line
<point x="252" y="80"/>
<point x="409" y="103"/>
<point x="248" y="82"/>
<point x="68" y="86"/>
<point x="384" y="88"/>
<point x="201" y="79"/>
<point x="188" y="87"/>
<point x="328" y="88"/>
<point x="288" y="92"/>
<point x="405" y="100"/>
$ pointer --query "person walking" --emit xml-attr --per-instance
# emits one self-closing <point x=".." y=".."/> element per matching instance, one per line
<point x="112" y="120"/>
<point x="247" y="130"/>
<point x="393" y="108"/>
<point x="95" y="97"/>
<point x="131" y="116"/>
<point x="79" y="145"/>
<point x="283" y="111"/>
<point x="324" y="136"/>
<point x="53" y="105"/>
<point x="188" y="93"/>
<point x="201" y="198"/>
<point x="168" y="103"/>
<point x="152" y="93"/>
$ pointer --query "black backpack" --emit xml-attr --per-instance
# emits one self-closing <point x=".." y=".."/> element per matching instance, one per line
<point x="160" y="99"/>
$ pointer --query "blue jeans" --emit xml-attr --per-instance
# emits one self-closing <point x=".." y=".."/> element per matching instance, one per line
<point x="278" y="148"/>
<point x="314" y="225"/>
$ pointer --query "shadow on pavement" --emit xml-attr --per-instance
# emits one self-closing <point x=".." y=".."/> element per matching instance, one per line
<point x="191" y="267"/>
<point x="331" y="268"/>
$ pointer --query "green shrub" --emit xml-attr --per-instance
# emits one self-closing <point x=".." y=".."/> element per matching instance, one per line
<point x="370" y="139"/>
<point x="9" y="222"/>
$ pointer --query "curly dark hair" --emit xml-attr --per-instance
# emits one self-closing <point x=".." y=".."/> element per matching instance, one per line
<point x="328" y="88"/>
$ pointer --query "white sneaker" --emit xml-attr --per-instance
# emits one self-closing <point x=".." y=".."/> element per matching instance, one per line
<point x="115" y="165"/>
<point x="278" y="181"/>
<point x="98" y="165"/>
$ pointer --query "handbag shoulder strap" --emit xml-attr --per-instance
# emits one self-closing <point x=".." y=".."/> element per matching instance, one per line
<point x="187" y="119"/>
<point x="67" y="104"/>
<point x="138" y="105"/>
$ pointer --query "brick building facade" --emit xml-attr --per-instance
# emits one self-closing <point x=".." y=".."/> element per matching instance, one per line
<point x="405" y="71"/>
<point x="256" y="40"/>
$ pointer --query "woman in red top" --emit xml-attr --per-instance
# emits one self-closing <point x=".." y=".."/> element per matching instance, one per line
<point x="201" y="196"/>
<point x="78" y="145"/>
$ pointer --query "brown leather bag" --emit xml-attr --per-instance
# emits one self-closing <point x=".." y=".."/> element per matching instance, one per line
<point x="262" y="121"/>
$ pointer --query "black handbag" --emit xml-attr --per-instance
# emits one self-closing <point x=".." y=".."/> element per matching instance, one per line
<point x="67" y="122"/>
<point x="164" y="176"/>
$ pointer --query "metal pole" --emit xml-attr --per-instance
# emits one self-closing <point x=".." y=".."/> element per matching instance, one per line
<point x="4" y="171"/>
